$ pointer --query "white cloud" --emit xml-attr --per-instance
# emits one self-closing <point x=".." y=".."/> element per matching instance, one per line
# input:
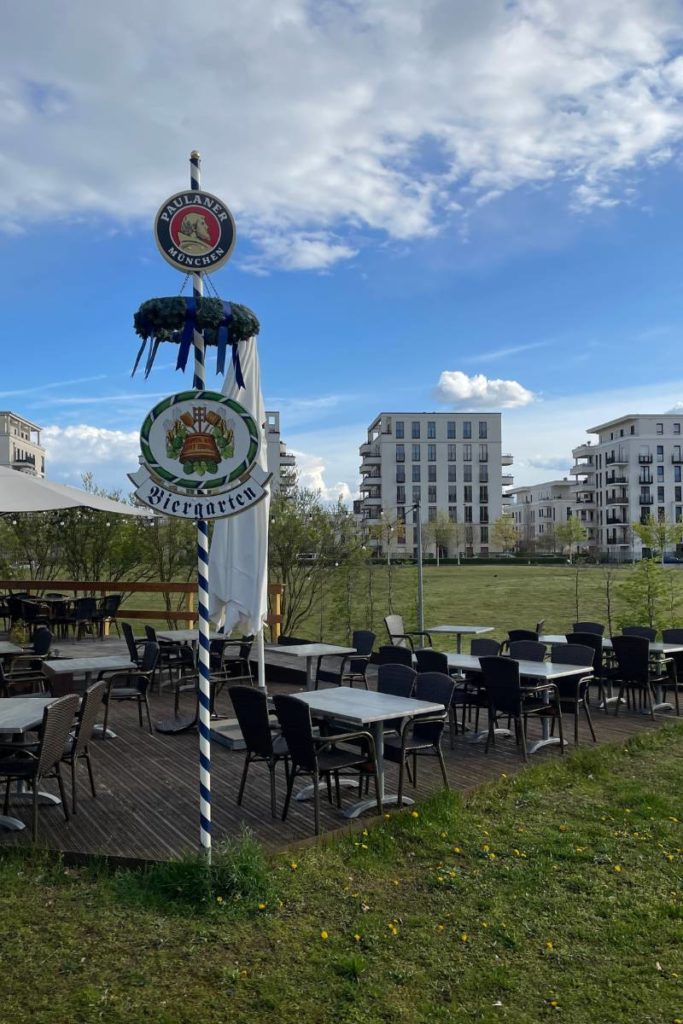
<point x="457" y="389"/>
<point x="678" y="407"/>
<point x="311" y="470"/>
<point x="108" y="454"/>
<point x="318" y="118"/>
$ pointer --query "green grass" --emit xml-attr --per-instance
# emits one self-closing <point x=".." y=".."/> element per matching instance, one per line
<point x="553" y="895"/>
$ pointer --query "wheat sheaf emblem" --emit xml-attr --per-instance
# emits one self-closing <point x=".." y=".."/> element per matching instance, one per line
<point x="200" y="440"/>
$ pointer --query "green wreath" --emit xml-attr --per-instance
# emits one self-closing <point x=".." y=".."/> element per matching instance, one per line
<point x="164" y="319"/>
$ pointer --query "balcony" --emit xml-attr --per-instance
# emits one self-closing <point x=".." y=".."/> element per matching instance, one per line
<point x="644" y="460"/>
<point x="370" y="454"/>
<point x="677" y="459"/>
<point x="621" y="500"/>
<point x="506" y="460"/>
<point x="618" y="459"/>
<point x="646" y="499"/>
<point x="615" y="520"/>
<point x="582" y="469"/>
<point x="371" y="515"/>
<point x="369" y="480"/>
<point x="645" y="478"/>
<point x="612" y="478"/>
<point x="372" y="499"/>
<point x="507" y="479"/>
<point x="620" y="541"/>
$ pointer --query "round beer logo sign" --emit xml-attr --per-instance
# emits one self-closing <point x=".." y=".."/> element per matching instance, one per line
<point x="199" y="441"/>
<point x="195" y="231"/>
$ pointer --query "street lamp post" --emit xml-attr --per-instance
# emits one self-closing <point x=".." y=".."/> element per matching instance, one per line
<point x="417" y="519"/>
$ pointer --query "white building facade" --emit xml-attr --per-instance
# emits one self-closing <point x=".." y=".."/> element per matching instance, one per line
<point x="20" y="446"/>
<point x="449" y="463"/>
<point x="539" y="509"/>
<point x="281" y="463"/>
<point x="631" y="472"/>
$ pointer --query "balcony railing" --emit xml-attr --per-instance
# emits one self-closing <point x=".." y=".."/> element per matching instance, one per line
<point x="619" y="459"/>
<point x="613" y="520"/>
<point x="612" y="478"/>
<point x="645" y="478"/>
<point x="677" y="459"/>
<point x="622" y="500"/>
<point x="644" y="460"/>
<point x="646" y="499"/>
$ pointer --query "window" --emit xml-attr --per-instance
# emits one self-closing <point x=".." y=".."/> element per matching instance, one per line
<point x="484" y="494"/>
<point x="467" y="452"/>
<point x="416" y="453"/>
<point x="431" y="474"/>
<point x="660" y="472"/>
<point x="467" y="494"/>
<point x="453" y="513"/>
<point x="401" y="520"/>
<point x="400" y="474"/>
<point x="676" y="454"/>
<point x="660" y="428"/>
<point x="484" y="537"/>
<point x="431" y="429"/>
<point x="431" y="493"/>
<point x="400" y="429"/>
<point x="661" y="514"/>
<point x="451" y="452"/>
<point x="450" y="430"/>
<point x="468" y="513"/>
<point x="415" y="429"/>
<point x="677" y="474"/>
<point x="452" y="474"/>
<point x="467" y="429"/>
<point x="677" y="494"/>
<point x="483" y="430"/>
<point x="483" y="453"/>
<point x="431" y="453"/>
<point x="677" y="428"/>
<point x="417" y="496"/>
<point x="400" y="453"/>
<point x="679" y="514"/>
<point x="400" y="495"/>
<point x="416" y="474"/>
<point x="660" y="494"/>
<point x="467" y="474"/>
<point x="452" y="494"/>
<point x="483" y="474"/>
<point x="431" y="513"/>
<point x="483" y="513"/>
<point x="660" y="453"/>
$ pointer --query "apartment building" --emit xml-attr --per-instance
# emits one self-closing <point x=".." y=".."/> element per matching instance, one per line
<point x="539" y="509"/>
<point x="20" y="446"/>
<point x="281" y="463"/>
<point x="631" y="472"/>
<point x="445" y="462"/>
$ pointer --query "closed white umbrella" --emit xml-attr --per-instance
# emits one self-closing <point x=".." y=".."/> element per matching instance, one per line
<point x="20" y="492"/>
<point x="238" y="560"/>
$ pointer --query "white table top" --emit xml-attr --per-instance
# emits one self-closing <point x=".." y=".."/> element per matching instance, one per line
<point x="190" y="636"/>
<point x="656" y="646"/>
<point x="9" y="648"/>
<point x="460" y="629"/>
<point x="19" y="714"/>
<point x="69" y="666"/>
<point x="543" y="670"/>
<point x="362" y="707"/>
<point x="310" y="650"/>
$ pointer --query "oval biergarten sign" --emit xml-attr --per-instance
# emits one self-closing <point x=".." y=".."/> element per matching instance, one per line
<point x="195" y="231"/>
<point x="199" y="452"/>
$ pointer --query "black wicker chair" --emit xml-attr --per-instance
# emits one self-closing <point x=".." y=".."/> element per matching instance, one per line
<point x="34" y="762"/>
<point x="390" y="654"/>
<point x="133" y="685"/>
<point x="588" y="627"/>
<point x="637" y="676"/>
<point x="574" y="693"/>
<point x="422" y="736"/>
<point x="506" y="696"/>
<point x="527" y="650"/>
<point x="352" y="667"/>
<point x="318" y="756"/>
<point x="251" y="709"/>
<point x="429" y="661"/>
<point x="648" y="632"/>
<point x="107" y="612"/>
<point x="78" y="745"/>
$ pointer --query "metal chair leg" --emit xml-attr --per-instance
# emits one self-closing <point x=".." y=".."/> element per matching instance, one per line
<point x="271" y="769"/>
<point x="442" y="764"/>
<point x="91" y="775"/>
<point x="73" y="784"/>
<point x="62" y="791"/>
<point x="316" y="800"/>
<point x="243" y="781"/>
<point x="288" y="797"/>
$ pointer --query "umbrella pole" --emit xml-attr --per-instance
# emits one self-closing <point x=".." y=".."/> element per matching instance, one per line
<point x="261" y="659"/>
<point x="202" y="591"/>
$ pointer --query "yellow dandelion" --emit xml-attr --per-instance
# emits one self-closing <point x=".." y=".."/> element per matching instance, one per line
<point x="503" y="775"/>
<point x="363" y="846"/>
<point x="464" y="937"/>
<point x="669" y="856"/>
<point x="414" y="814"/>
<point x="617" y="868"/>
<point x="357" y="937"/>
<point x="517" y="853"/>
<point x="456" y="849"/>
<point x="563" y="828"/>
<point x="387" y="816"/>
<point x="219" y="899"/>
<point x="324" y="935"/>
<point x="549" y="945"/>
<point x="553" y="1002"/>
<point x="364" y="832"/>
<point x="262" y="906"/>
<point x="440" y="927"/>
<point x="294" y="865"/>
<point x="484" y="924"/>
<point x="627" y="810"/>
<point x="492" y="856"/>
<point x="486" y="847"/>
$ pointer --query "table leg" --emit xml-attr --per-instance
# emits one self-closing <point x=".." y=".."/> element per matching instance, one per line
<point x="547" y="740"/>
<point x="8" y="824"/>
<point x="388" y="799"/>
<point x="458" y="642"/>
<point x="310" y="673"/>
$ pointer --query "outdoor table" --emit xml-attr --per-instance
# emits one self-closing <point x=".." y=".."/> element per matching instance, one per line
<point x="540" y="672"/>
<point x="362" y="709"/>
<point x="19" y="715"/>
<point x="87" y="667"/>
<point x="459" y="631"/>
<point x="8" y="649"/>
<point x="188" y="636"/>
<point x="311" y="653"/>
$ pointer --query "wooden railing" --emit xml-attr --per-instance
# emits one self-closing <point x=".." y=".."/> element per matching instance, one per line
<point x="186" y="615"/>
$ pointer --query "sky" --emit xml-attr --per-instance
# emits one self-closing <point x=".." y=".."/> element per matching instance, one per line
<point x="439" y="205"/>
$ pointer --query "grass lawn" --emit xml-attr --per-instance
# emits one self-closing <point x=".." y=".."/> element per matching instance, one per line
<point x="554" y="895"/>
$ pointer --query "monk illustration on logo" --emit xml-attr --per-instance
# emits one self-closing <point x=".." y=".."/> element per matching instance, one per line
<point x="194" y="236"/>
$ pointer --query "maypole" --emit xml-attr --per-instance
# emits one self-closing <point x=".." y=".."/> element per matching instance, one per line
<point x="199" y="448"/>
<point x="202" y="583"/>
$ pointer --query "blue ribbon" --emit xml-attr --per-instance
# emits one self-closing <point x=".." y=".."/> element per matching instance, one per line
<point x="187" y="336"/>
<point x="153" y="349"/>
<point x="139" y="356"/>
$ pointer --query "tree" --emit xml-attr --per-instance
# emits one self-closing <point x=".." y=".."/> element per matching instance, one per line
<point x="504" y="533"/>
<point x="659" y="534"/>
<point x="440" y="532"/>
<point x="570" y="533"/>
<point x="644" y="595"/>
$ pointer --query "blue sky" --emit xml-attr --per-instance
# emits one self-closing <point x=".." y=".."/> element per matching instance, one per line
<point x="438" y="206"/>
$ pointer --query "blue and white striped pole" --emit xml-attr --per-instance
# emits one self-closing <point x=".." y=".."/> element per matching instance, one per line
<point x="202" y="591"/>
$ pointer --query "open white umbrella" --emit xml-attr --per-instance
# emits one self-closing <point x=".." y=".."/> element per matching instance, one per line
<point x="238" y="560"/>
<point x="20" y="492"/>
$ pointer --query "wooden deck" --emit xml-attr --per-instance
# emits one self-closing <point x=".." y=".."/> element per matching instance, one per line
<point x="147" y="803"/>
